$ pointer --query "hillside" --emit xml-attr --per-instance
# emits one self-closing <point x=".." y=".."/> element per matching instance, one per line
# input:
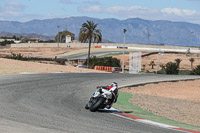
<point x="162" y="32"/>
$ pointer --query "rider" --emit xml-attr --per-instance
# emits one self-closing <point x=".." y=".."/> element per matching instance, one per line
<point x="113" y="88"/>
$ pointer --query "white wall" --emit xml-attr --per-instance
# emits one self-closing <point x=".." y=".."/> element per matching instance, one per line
<point x="132" y="47"/>
<point x="68" y="39"/>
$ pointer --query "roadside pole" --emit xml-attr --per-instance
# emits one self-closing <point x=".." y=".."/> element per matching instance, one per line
<point x="58" y="38"/>
<point x="123" y="50"/>
<point x="161" y="53"/>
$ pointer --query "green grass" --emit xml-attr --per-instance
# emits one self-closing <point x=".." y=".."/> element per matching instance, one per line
<point x="181" y="72"/>
<point x="123" y="105"/>
<point x="64" y="57"/>
<point x="120" y="53"/>
<point x="184" y="72"/>
<point x="111" y="54"/>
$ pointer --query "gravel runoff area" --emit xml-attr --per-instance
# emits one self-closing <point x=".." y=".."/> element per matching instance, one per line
<point x="178" y="101"/>
<point x="8" y="66"/>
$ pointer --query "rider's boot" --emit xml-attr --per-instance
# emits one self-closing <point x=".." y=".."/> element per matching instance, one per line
<point x="108" y="106"/>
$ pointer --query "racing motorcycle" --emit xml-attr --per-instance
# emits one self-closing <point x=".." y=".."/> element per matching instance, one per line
<point x="100" y="99"/>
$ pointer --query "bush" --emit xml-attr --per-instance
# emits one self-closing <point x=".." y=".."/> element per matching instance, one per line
<point x="6" y="42"/>
<point x="105" y="61"/>
<point x="196" y="71"/>
<point x="184" y="72"/>
<point x="171" y="68"/>
<point x="162" y="71"/>
<point x="17" y="56"/>
<point x="21" y="57"/>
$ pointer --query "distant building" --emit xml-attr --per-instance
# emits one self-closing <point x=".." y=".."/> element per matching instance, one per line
<point x="75" y="41"/>
<point x="68" y="39"/>
<point x="1" y="40"/>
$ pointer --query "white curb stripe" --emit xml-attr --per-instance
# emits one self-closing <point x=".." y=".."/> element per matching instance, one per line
<point x="27" y="73"/>
<point x="156" y="123"/>
<point x="117" y="113"/>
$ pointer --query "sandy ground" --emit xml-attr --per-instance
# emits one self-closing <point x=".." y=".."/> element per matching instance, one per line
<point x="184" y="65"/>
<point x="37" y="52"/>
<point x="178" y="101"/>
<point x="60" y="52"/>
<point x="8" y="66"/>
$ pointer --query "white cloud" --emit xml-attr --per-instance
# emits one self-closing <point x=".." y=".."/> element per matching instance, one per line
<point x="173" y="14"/>
<point x="12" y="9"/>
<point x="14" y="6"/>
<point x="91" y="9"/>
<point x="179" y="12"/>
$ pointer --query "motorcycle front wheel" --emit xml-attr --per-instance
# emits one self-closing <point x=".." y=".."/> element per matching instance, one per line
<point x="87" y="106"/>
<point x="95" y="106"/>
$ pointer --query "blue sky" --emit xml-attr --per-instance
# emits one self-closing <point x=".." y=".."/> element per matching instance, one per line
<point x="173" y="10"/>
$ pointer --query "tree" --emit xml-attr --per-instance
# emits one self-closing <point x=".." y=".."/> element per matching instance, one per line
<point x="162" y="66"/>
<point x="144" y="66"/>
<point x="104" y="61"/>
<point x="62" y="36"/>
<point x="152" y="64"/>
<point x="178" y="61"/>
<point x="172" y="68"/>
<point x="191" y="61"/>
<point x="89" y="33"/>
<point x="196" y="71"/>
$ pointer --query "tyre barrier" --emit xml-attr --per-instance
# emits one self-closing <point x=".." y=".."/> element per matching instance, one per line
<point x="97" y="46"/>
<point x="103" y="68"/>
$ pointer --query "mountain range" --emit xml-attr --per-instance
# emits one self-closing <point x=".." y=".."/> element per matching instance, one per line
<point x="138" y="30"/>
<point x="29" y="35"/>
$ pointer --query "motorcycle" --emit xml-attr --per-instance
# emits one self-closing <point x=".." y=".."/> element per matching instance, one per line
<point x="100" y="99"/>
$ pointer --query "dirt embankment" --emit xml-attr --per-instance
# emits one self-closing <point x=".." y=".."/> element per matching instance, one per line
<point x="178" y="101"/>
<point x="36" y="52"/>
<point x="163" y="60"/>
<point x="8" y="66"/>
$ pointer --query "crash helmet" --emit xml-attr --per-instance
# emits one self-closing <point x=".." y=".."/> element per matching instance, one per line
<point x="114" y="84"/>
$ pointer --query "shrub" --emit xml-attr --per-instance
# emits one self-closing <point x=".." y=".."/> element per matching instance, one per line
<point x="196" y="71"/>
<point x="171" y="68"/>
<point x="6" y="42"/>
<point x="21" y="57"/>
<point x="105" y="61"/>
<point x="17" y="56"/>
<point x="184" y="72"/>
<point x="161" y="71"/>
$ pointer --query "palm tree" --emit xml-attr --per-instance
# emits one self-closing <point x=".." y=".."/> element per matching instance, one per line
<point x="191" y="61"/>
<point x="178" y="61"/>
<point x="89" y="33"/>
<point x="152" y="64"/>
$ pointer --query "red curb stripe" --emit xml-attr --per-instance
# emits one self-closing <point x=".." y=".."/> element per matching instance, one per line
<point x="129" y="116"/>
<point x="176" y="128"/>
<point x="187" y="130"/>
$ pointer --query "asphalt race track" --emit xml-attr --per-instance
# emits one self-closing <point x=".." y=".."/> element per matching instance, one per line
<point x="85" y="55"/>
<point x="54" y="103"/>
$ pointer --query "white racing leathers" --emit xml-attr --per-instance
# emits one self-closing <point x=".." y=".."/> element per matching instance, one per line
<point x="113" y="94"/>
<point x="102" y="98"/>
